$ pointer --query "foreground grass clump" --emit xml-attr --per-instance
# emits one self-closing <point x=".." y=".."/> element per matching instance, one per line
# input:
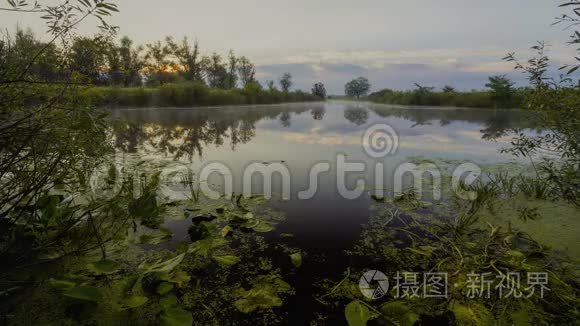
<point x="191" y="94"/>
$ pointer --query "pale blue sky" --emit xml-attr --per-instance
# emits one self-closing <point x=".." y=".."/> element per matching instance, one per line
<point x="393" y="42"/>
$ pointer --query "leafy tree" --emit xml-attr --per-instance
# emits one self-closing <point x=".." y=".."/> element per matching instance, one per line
<point x="88" y="58"/>
<point x="501" y="89"/>
<point x="158" y="64"/>
<point x="132" y="62"/>
<point x="286" y="82"/>
<point x="217" y="73"/>
<point x="319" y="90"/>
<point x="357" y="87"/>
<point x="232" y="77"/>
<point x="188" y="58"/>
<point x="115" y="70"/>
<point x="271" y="85"/>
<point x="246" y="71"/>
<point x="49" y="135"/>
<point x="557" y="107"/>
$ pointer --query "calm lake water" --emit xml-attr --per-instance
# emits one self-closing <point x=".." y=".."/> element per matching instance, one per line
<point x="301" y="135"/>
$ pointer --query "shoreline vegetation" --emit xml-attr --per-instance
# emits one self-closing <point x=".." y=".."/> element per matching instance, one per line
<point x="471" y="99"/>
<point x="189" y="94"/>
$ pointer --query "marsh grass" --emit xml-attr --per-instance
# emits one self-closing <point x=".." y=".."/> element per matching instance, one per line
<point x="190" y="95"/>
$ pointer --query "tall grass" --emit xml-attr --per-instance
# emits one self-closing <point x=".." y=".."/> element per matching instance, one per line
<point x="474" y="99"/>
<point x="189" y="95"/>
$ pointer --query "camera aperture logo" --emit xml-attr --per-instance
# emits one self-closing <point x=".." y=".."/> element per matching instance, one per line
<point x="374" y="284"/>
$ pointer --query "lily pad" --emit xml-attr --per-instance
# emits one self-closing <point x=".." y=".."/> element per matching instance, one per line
<point x="264" y="295"/>
<point x="357" y="314"/>
<point x="164" y="288"/>
<point x="85" y="293"/>
<point x="176" y="317"/>
<point x="263" y="227"/>
<point x="296" y="259"/>
<point x="178" y="277"/>
<point x="227" y="230"/>
<point x="136" y="301"/>
<point x="156" y="237"/>
<point x="398" y="312"/>
<point x="203" y="247"/>
<point x="473" y="314"/>
<point x="226" y="261"/>
<point x="104" y="267"/>
<point x="162" y="266"/>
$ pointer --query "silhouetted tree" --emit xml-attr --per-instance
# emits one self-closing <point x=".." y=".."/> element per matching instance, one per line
<point x="88" y="58"/>
<point x="217" y="74"/>
<point x="246" y="71"/>
<point x="501" y="89"/>
<point x="286" y="82"/>
<point x="158" y="64"/>
<point x="271" y="85"/>
<point x="232" y="77"/>
<point x="132" y="62"/>
<point x="319" y="90"/>
<point x="189" y="59"/>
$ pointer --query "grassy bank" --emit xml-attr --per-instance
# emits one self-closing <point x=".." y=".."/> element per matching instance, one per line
<point x="189" y="94"/>
<point x="474" y="99"/>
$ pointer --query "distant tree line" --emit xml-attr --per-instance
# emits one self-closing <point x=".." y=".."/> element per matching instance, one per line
<point x="106" y="61"/>
<point x="500" y="93"/>
<point x="119" y="63"/>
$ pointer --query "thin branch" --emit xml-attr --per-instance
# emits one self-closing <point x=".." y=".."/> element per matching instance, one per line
<point x="23" y="10"/>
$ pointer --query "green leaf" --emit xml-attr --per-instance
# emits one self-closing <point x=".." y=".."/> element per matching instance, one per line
<point x="263" y="227"/>
<point x="472" y="314"/>
<point x="520" y="318"/>
<point x="423" y="250"/>
<point x="357" y="314"/>
<point x="296" y="259"/>
<point x="226" y="261"/>
<point x="176" y="317"/>
<point x="136" y="301"/>
<point x="398" y="313"/>
<point x="162" y="266"/>
<point x="203" y="247"/>
<point x="264" y="295"/>
<point x="226" y="231"/>
<point x="179" y="278"/>
<point x="168" y="302"/>
<point x="85" y="293"/>
<point x="164" y="288"/>
<point x="104" y="267"/>
<point x="62" y="284"/>
<point x="156" y="237"/>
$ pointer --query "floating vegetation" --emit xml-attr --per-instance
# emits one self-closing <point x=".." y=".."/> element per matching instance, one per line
<point x="397" y="240"/>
